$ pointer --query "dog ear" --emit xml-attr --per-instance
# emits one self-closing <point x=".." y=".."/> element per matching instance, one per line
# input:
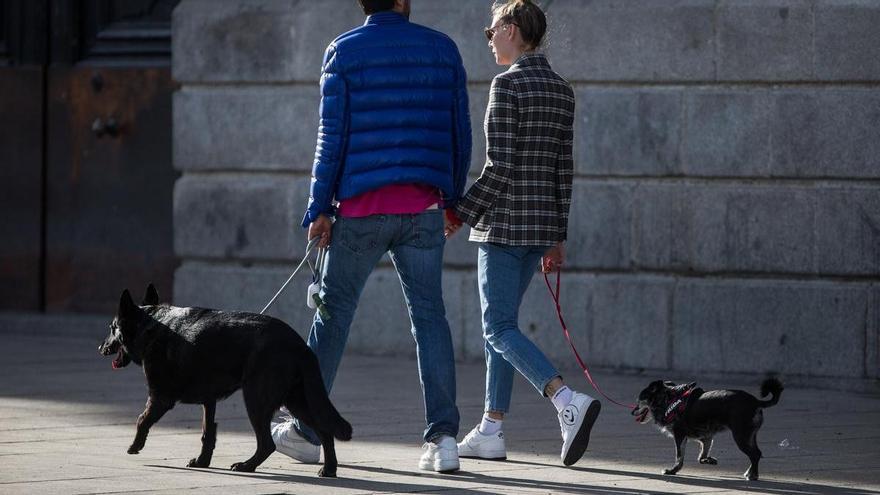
<point x="127" y="307"/>
<point x="655" y="385"/>
<point x="151" y="297"/>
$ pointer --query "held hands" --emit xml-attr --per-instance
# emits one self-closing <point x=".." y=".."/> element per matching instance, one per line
<point x="321" y="227"/>
<point x="451" y="222"/>
<point x="553" y="258"/>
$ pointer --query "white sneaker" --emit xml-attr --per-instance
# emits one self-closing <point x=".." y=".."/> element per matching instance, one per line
<point x="475" y="444"/>
<point x="288" y="442"/>
<point x="576" y="421"/>
<point x="441" y="456"/>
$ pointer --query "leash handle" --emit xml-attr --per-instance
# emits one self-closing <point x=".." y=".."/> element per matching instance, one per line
<point x="309" y="247"/>
<point x="555" y="296"/>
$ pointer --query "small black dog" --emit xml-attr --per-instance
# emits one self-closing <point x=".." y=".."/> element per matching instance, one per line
<point x="684" y="411"/>
<point x="200" y="356"/>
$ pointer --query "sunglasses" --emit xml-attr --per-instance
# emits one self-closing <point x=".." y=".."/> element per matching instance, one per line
<point x="490" y="31"/>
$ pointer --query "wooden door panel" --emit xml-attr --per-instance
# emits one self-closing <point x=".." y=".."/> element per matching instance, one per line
<point x="21" y="195"/>
<point x="109" y="188"/>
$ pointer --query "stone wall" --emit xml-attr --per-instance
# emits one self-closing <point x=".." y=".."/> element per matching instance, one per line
<point x="726" y="204"/>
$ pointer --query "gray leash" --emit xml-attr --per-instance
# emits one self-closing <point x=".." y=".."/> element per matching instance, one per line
<point x="309" y="247"/>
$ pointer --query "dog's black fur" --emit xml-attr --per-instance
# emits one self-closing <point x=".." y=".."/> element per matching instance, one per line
<point x="708" y="413"/>
<point x="200" y="356"/>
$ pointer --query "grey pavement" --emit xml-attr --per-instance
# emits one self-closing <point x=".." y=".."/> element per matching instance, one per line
<point x="66" y="419"/>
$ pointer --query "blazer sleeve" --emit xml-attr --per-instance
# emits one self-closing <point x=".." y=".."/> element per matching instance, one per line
<point x="564" y="179"/>
<point x="331" y="139"/>
<point x="502" y="123"/>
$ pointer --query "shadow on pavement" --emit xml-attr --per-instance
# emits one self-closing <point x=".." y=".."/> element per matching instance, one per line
<point x="512" y="483"/>
<point x="760" y="486"/>
<point x="341" y="482"/>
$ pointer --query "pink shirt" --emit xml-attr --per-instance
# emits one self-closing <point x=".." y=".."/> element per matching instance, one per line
<point x="394" y="199"/>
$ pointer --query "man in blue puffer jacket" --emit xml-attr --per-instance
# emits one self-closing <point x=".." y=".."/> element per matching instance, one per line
<point x="393" y="151"/>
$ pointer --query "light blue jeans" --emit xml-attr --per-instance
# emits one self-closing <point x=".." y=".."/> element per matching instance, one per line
<point x="504" y="273"/>
<point x="415" y="243"/>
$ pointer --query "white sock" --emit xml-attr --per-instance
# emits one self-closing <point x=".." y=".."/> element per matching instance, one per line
<point x="489" y="426"/>
<point x="561" y="398"/>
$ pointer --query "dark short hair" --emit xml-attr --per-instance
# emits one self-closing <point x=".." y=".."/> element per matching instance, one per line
<point x="373" y="6"/>
<point x="527" y="16"/>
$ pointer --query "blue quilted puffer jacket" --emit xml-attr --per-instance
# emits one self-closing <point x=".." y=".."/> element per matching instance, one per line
<point x="394" y="110"/>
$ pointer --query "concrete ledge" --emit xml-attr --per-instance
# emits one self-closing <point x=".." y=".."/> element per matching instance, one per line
<point x="628" y="131"/>
<point x="756" y="326"/>
<point x="872" y="330"/>
<point x="600" y="225"/>
<point x="258" y="128"/>
<point x="617" y="40"/>
<point x="246" y="128"/>
<point x="826" y="133"/>
<point x="847" y="40"/>
<point x="617" y="225"/>
<point x="245" y="216"/>
<point x="848" y="230"/>
<point x="256" y="41"/>
<point x="677" y="40"/>
<point x="631" y="321"/>
<point x="765" y="40"/>
<point x="709" y="228"/>
<point x="831" y="132"/>
<point x="726" y="133"/>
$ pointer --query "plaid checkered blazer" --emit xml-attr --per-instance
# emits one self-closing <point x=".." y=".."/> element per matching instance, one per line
<point x="523" y="196"/>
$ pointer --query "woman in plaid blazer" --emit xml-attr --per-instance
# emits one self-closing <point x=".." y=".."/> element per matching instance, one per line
<point x="518" y="210"/>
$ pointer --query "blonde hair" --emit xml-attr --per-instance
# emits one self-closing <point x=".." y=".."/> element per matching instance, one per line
<point x="527" y="16"/>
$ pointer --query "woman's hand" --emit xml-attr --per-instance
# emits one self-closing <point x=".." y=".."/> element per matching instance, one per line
<point x="553" y="258"/>
<point x="451" y="223"/>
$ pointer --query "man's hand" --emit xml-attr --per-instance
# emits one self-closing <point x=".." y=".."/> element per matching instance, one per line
<point x="321" y="227"/>
<point x="553" y="258"/>
<point x="451" y="223"/>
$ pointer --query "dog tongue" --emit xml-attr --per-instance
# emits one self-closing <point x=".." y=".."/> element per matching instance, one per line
<point x="117" y="361"/>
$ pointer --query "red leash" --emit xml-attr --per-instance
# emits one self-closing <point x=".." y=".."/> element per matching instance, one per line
<point x="555" y="296"/>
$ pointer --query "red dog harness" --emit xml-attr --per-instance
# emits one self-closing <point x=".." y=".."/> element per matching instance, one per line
<point x="679" y="402"/>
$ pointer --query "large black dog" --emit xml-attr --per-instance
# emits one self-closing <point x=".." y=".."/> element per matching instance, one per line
<point x="200" y="356"/>
<point x="685" y="411"/>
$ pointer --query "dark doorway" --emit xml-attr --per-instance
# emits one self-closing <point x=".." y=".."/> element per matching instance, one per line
<point x="86" y="177"/>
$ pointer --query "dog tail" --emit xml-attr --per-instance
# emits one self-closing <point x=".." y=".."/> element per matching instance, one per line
<point x="770" y="386"/>
<point x="323" y="411"/>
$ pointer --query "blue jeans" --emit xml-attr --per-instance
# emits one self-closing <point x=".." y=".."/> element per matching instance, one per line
<point x="504" y="273"/>
<point x="415" y="243"/>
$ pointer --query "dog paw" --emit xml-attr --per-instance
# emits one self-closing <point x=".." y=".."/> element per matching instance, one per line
<point x="670" y="472"/>
<point x="243" y="467"/>
<point x="709" y="460"/>
<point x="750" y="475"/>
<point x="326" y="473"/>
<point x="195" y="462"/>
<point x="134" y="449"/>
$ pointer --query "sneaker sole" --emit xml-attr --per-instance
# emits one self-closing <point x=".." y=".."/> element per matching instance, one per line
<point x="296" y="455"/>
<point x="433" y="467"/>
<point x="500" y="458"/>
<point x="582" y="438"/>
<point x="282" y="447"/>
